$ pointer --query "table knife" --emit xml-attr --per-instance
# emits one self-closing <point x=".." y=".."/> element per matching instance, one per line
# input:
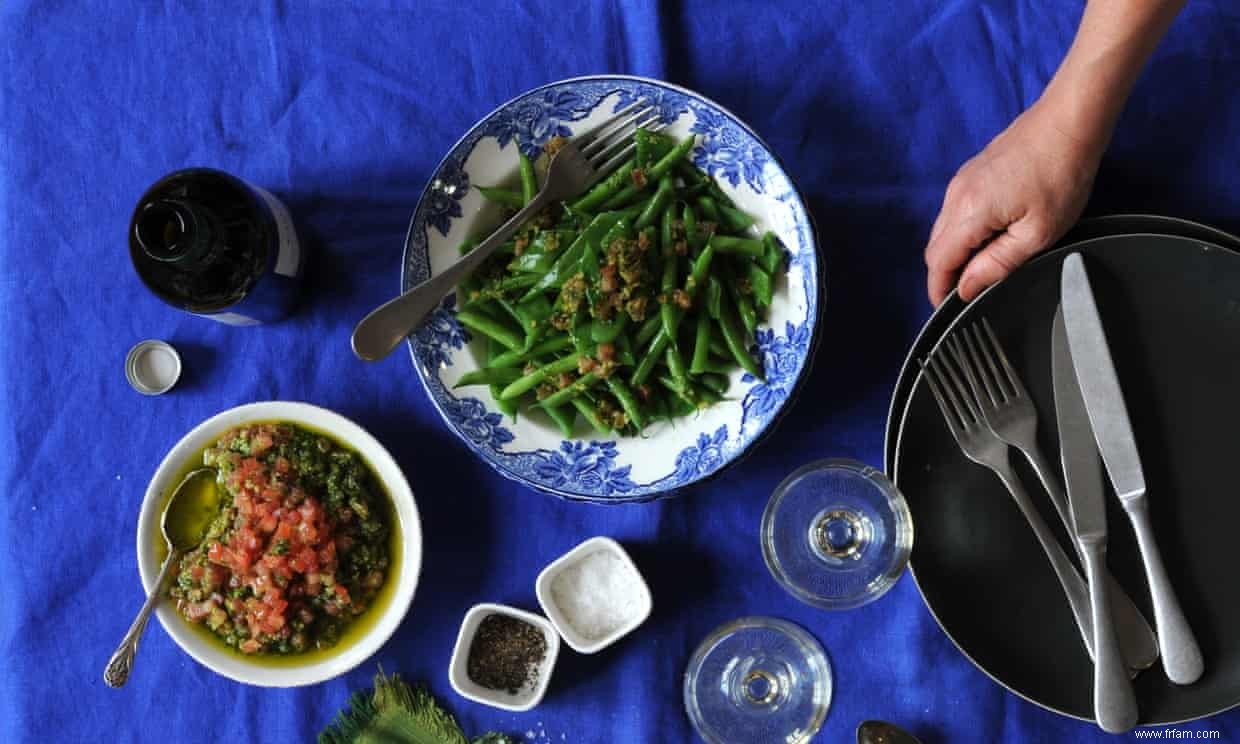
<point x="1115" y="703"/>
<point x="1108" y="416"/>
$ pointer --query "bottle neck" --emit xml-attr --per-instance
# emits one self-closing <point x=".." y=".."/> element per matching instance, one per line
<point x="174" y="230"/>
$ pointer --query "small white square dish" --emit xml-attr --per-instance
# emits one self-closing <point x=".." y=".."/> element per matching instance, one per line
<point x="528" y="695"/>
<point x="594" y="595"/>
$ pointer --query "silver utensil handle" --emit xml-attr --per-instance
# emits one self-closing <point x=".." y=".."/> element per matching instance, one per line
<point x="1136" y="638"/>
<point x="1115" y="703"/>
<point x="1181" y="656"/>
<point x="1073" y="585"/>
<point x="116" y="673"/>
<point x="386" y="326"/>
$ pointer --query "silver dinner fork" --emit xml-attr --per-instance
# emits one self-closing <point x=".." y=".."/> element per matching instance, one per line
<point x="1008" y="411"/>
<point x="575" y="167"/>
<point x="980" y="445"/>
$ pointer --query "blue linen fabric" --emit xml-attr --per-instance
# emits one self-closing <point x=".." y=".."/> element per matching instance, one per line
<point x="343" y="109"/>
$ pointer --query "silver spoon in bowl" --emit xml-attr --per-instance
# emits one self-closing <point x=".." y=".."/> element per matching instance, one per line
<point x="184" y="522"/>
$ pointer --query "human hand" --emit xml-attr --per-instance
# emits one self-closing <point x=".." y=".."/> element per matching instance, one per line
<point x="1013" y="199"/>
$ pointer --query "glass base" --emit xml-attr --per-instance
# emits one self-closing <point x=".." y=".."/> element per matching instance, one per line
<point x="836" y="534"/>
<point x="758" y="679"/>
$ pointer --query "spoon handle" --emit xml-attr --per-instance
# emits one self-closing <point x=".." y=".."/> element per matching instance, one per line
<point x="117" y="671"/>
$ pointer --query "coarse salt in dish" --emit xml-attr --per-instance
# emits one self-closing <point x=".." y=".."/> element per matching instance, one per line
<point x="594" y="595"/>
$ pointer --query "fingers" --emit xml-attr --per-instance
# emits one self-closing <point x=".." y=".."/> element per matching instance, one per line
<point x="1015" y="245"/>
<point x="950" y="249"/>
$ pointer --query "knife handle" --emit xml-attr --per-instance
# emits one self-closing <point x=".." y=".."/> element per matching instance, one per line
<point x="1115" y="704"/>
<point x="1074" y="587"/>
<point x="1136" y="637"/>
<point x="1181" y="656"/>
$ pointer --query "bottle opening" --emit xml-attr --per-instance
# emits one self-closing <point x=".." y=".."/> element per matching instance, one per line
<point x="164" y="230"/>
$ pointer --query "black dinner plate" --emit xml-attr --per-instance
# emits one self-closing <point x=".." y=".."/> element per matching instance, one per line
<point x="1094" y="227"/>
<point x="1171" y="308"/>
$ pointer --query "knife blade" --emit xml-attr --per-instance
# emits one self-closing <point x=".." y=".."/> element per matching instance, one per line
<point x="1108" y="415"/>
<point x="1082" y="467"/>
<point x="1095" y="374"/>
<point x="1115" y="704"/>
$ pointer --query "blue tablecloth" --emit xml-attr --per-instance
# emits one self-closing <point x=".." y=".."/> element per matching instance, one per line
<point x="343" y="109"/>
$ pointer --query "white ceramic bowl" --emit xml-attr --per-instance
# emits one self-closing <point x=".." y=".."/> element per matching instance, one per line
<point x="642" y="602"/>
<point x="458" y="674"/>
<point x="321" y="666"/>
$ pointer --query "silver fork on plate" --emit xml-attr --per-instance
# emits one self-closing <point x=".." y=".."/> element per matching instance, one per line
<point x="575" y="167"/>
<point x="1008" y="411"/>
<point x="980" y="445"/>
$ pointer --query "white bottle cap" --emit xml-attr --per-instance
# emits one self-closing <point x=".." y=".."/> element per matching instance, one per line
<point x="153" y="367"/>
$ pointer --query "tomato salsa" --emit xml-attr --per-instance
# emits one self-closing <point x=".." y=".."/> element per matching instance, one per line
<point x="300" y="547"/>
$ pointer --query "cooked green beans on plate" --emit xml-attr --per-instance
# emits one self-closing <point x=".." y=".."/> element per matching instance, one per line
<point x="627" y="305"/>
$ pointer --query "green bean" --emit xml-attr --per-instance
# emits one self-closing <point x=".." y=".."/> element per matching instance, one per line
<point x="646" y="365"/>
<point x="667" y="310"/>
<point x="762" y="284"/>
<point x="772" y="253"/>
<point x="518" y="282"/>
<point x="563" y="418"/>
<point x="714" y="367"/>
<point x="701" y="270"/>
<point x="624" y="351"/>
<point x="701" y="345"/>
<point x="745" y="309"/>
<point x="494" y="350"/>
<point x="649" y="327"/>
<point x="604" y="189"/>
<point x="705" y="396"/>
<point x="714" y="296"/>
<point x="627" y="401"/>
<point x="657" y="204"/>
<point x="683" y="394"/>
<point x="502" y="196"/>
<point x="529" y="182"/>
<point x="530" y="381"/>
<point x="590" y="415"/>
<point x="467" y="245"/>
<point x="566" y="394"/>
<point x="736" y="344"/>
<point x="689" y="172"/>
<point x="507" y="407"/>
<point x="650" y="146"/>
<point x="709" y="208"/>
<point x="738" y="246"/>
<point x="676" y="365"/>
<point x="668" y="161"/>
<point x="490" y="327"/>
<point x="511" y="310"/>
<point x="714" y="381"/>
<point x="489" y="376"/>
<point x="655" y="173"/>
<point x="568" y="262"/>
<point x="717" y="345"/>
<point x="515" y="357"/>
<point x="691" y="231"/>
<point x="734" y="219"/>
<point x="602" y="332"/>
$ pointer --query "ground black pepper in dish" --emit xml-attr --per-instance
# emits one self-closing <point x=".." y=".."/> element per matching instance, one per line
<point x="505" y="653"/>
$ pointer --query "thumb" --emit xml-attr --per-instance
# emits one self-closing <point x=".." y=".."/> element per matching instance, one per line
<point x="1000" y="257"/>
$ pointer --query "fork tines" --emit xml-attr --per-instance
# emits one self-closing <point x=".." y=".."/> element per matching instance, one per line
<point x="608" y="144"/>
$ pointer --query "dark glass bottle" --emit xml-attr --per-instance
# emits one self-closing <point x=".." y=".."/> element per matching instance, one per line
<point x="211" y="244"/>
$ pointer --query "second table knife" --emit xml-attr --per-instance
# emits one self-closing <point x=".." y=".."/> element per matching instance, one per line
<point x="1115" y="704"/>
<point x="1108" y="415"/>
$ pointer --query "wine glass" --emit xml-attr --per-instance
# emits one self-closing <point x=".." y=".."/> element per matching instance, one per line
<point x="758" y="679"/>
<point x="836" y="534"/>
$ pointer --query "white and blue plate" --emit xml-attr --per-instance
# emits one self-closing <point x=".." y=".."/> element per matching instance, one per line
<point x="669" y="455"/>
